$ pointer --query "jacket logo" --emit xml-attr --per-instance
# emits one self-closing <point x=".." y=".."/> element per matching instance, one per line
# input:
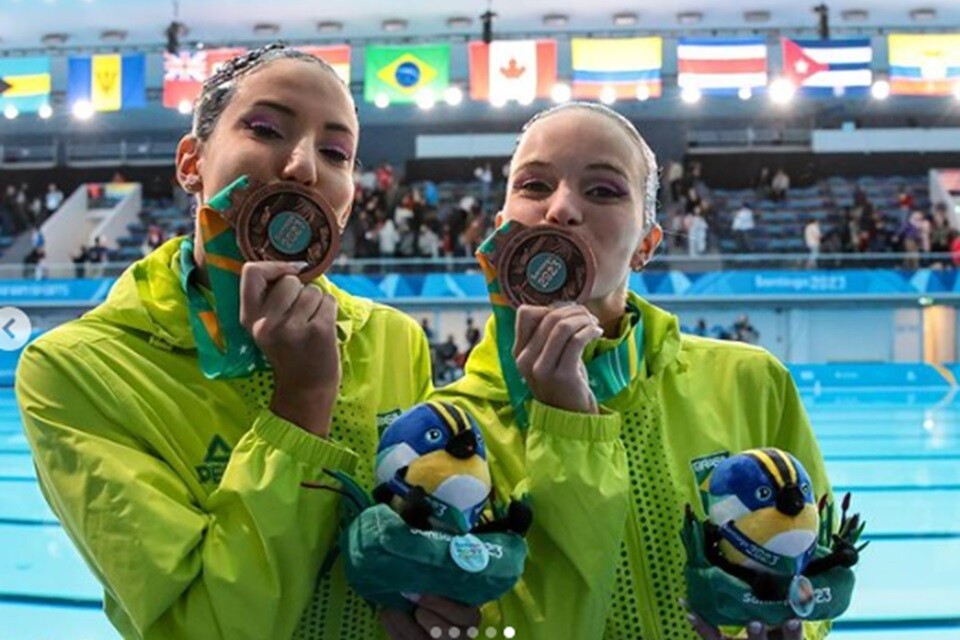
<point x="215" y="462"/>
<point x="384" y="420"/>
<point x="702" y="468"/>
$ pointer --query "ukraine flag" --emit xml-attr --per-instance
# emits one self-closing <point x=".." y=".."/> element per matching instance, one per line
<point x="109" y="82"/>
<point x="401" y="72"/>
<point x="924" y="65"/>
<point x="24" y="83"/>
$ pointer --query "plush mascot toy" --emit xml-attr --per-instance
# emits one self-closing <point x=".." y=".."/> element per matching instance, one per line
<point x="431" y="524"/>
<point x="768" y="551"/>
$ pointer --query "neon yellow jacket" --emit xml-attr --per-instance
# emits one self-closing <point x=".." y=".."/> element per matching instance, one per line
<point x="183" y="496"/>
<point x="608" y="491"/>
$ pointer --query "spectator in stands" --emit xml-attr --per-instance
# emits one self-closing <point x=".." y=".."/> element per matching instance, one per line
<point x="675" y="180"/>
<point x="701" y="328"/>
<point x="428" y="242"/>
<point x="484" y="176"/>
<point x="811" y="238"/>
<point x="762" y="183"/>
<point x="31" y="263"/>
<point x="185" y="482"/>
<point x="79" y="260"/>
<point x="427" y="331"/>
<point x="697" y="230"/>
<point x="570" y="437"/>
<point x="940" y="233"/>
<point x="780" y="186"/>
<point x="431" y="195"/>
<point x="743" y="331"/>
<point x="388" y="237"/>
<point x="118" y="177"/>
<point x="743" y="226"/>
<point x="905" y="199"/>
<point x="53" y="199"/>
<point x="955" y="248"/>
<point x="153" y="240"/>
<point x="384" y="177"/>
<point x="472" y="336"/>
<point x="910" y="239"/>
<point x="37" y="241"/>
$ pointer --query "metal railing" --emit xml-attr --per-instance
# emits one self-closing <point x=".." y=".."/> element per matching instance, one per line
<point x="662" y="263"/>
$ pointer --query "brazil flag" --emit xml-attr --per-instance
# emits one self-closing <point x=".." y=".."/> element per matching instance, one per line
<point x="400" y="72"/>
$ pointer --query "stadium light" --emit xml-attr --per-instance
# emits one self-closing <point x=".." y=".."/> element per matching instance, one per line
<point x="453" y="96"/>
<point x="185" y="107"/>
<point x="643" y="92"/>
<point x="10" y="112"/>
<point x="782" y="91"/>
<point x="560" y="93"/>
<point x="82" y="110"/>
<point x="497" y="101"/>
<point x="745" y="93"/>
<point x="425" y="99"/>
<point x="45" y="112"/>
<point x="608" y="95"/>
<point x="382" y="100"/>
<point x="526" y="100"/>
<point x="880" y="90"/>
<point x="956" y="91"/>
<point x="691" y="95"/>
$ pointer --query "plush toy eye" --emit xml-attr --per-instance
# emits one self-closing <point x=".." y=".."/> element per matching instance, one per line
<point x="434" y="436"/>
<point x="764" y="493"/>
<point x="805" y="488"/>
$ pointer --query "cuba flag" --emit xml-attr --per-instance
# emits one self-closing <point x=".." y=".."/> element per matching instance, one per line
<point x="109" y="82"/>
<point x="400" y="72"/>
<point x="828" y="68"/>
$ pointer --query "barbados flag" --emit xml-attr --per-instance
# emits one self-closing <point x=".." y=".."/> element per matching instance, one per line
<point x="400" y="72"/>
<point x="110" y="82"/>
<point x="827" y="68"/>
<point x="24" y="83"/>
<point x="630" y="66"/>
<point x="924" y="65"/>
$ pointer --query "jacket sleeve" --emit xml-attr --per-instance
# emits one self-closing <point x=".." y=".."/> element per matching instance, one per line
<point x="794" y="434"/>
<point x="242" y="565"/>
<point x="574" y="476"/>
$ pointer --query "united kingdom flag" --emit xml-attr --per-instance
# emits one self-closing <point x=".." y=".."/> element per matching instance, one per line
<point x="184" y="73"/>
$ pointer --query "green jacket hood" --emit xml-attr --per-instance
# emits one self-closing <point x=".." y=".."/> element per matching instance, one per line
<point x="149" y="297"/>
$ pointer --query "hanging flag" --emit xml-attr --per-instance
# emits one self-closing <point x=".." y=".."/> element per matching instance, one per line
<point x="24" y="83"/>
<point x="924" y="65"/>
<point x="401" y="72"/>
<point x="337" y="56"/>
<point x="109" y="82"/>
<point x="631" y="66"/>
<point x="184" y="73"/>
<point x="828" y="67"/>
<point x="722" y="66"/>
<point x="519" y="70"/>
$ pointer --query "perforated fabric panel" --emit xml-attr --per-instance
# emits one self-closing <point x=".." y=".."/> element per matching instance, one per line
<point x="656" y="520"/>
<point x="335" y="611"/>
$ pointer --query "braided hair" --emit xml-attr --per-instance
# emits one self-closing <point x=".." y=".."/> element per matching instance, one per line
<point x="219" y="89"/>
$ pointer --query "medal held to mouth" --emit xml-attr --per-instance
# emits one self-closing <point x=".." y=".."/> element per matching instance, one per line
<point x="544" y="264"/>
<point x="285" y="221"/>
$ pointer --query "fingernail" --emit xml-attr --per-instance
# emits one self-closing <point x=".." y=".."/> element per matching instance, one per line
<point x="692" y="618"/>
<point x="299" y="266"/>
<point x="793" y="625"/>
<point x="755" y="627"/>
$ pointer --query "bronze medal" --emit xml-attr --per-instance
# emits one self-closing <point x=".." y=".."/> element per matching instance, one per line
<point x="545" y="264"/>
<point x="288" y="222"/>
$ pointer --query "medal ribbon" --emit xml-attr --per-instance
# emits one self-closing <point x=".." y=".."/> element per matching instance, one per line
<point x="226" y="349"/>
<point x="608" y="374"/>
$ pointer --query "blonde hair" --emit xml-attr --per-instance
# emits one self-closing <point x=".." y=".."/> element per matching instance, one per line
<point x="652" y="179"/>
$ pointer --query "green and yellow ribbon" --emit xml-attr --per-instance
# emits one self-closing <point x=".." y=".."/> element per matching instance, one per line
<point x="226" y="349"/>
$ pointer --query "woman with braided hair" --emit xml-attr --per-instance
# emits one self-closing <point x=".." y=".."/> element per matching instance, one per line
<point x="602" y="415"/>
<point x="173" y="435"/>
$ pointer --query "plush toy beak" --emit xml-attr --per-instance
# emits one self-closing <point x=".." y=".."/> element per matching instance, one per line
<point x="463" y="445"/>
<point x="790" y="500"/>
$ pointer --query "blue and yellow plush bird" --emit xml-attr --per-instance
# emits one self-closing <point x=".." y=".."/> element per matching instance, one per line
<point x="432" y="468"/>
<point x="762" y="504"/>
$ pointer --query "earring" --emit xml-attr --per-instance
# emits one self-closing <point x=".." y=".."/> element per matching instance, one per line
<point x="638" y="263"/>
<point x="192" y="183"/>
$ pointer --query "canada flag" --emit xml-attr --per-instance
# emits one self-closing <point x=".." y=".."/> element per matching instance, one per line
<point x="519" y="70"/>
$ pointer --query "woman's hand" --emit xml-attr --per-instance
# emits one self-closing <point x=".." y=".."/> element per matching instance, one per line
<point x="791" y="630"/>
<point x="432" y="612"/>
<point x="294" y="325"/>
<point x="549" y="348"/>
